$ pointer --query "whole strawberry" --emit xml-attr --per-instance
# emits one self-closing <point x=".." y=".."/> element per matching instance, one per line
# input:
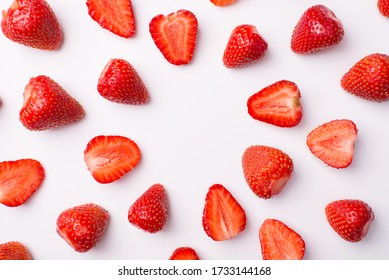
<point x="383" y="7"/>
<point x="32" y="23"/>
<point x="14" y="250"/>
<point x="369" y="78"/>
<point x="317" y="29"/>
<point x="245" y="46"/>
<point x="350" y="218"/>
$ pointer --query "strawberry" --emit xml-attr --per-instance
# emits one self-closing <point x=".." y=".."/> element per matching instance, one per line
<point x="114" y="15"/>
<point x="184" y="253"/>
<point x="277" y="104"/>
<point x="317" y="29"/>
<point x="109" y="158"/>
<point x="245" y="46"/>
<point x="83" y="226"/>
<point x="383" y="7"/>
<point x="266" y="170"/>
<point x="222" y="3"/>
<point x="350" y="218"/>
<point x="47" y="105"/>
<point x="369" y="78"/>
<point x="32" y="23"/>
<point x="175" y="35"/>
<point x="14" y="250"/>
<point x="223" y="217"/>
<point x="279" y="242"/>
<point x="333" y="142"/>
<point x="19" y="180"/>
<point x="119" y="82"/>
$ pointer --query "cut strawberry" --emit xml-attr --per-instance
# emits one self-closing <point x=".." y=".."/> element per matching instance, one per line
<point x="222" y="3"/>
<point x="278" y="104"/>
<point x="14" y="250"/>
<point x="279" y="242"/>
<point x="19" y="180"/>
<point x="108" y="158"/>
<point x="333" y="142"/>
<point x="175" y="35"/>
<point x="114" y="15"/>
<point x="383" y="7"/>
<point x="184" y="253"/>
<point x="223" y="217"/>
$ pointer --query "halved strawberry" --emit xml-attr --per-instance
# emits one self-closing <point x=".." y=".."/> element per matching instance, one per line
<point x="184" y="253"/>
<point x="279" y="242"/>
<point x="175" y="35"/>
<point x="383" y="7"/>
<point x="278" y="104"/>
<point x="150" y="211"/>
<point x="119" y="82"/>
<point x="222" y="3"/>
<point x="14" y="250"/>
<point x="333" y="142"/>
<point x="223" y="217"/>
<point x="114" y="15"/>
<point x="19" y="180"/>
<point x="108" y="158"/>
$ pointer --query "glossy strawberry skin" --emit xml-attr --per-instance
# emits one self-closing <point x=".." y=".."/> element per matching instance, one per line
<point x="14" y="250"/>
<point x="383" y="7"/>
<point x="222" y="3"/>
<point x="184" y="253"/>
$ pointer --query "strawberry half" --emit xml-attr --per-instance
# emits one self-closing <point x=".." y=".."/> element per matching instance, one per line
<point x="383" y="7"/>
<point x="114" y="15"/>
<point x="369" y="78"/>
<point x="150" y="211"/>
<point x="119" y="82"/>
<point x="279" y="242"/>
<point x="175" y="35"/>
<point x="32" y="23"/>
<point x="184" y="253"/>
<point x="109" y="158"/>
<point x="19" y="180"/>
<point x="278" y="104"/>
<point x="266" y="170"/>
<point x="245" y="46"/>
<point x="333" y="142"/>
<point x="350" y="218"/>
<point x="14" y="251"/>
<point x="223" y="217"/>
<point x="83" y="226"/>
<point x="317" y="29"/>
<point x="222" y="3"/>
<point x="47" y="105"/>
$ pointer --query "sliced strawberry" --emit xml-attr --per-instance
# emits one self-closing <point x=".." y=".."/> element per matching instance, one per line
<point x="108" y="158"/>
<point x="245" y="46"/>
<point x="279" y="242"/>
<point x="333" y="142"/>
<point x="383" y="7"/>
<point x="223" y="217"/>
<point x="175" y="35"/>
<point x="150" y="211"/>
<point x="278" y="104"/>
<point x="119" y="82"/>
<point x="14" y="250"/>
<point x="266" y="170"/>
<point x="184" y="253"/>
<point x="222" y="3"/>
<point x="114" y="15"/>
<point x="19" y="180"/>
<point x="32" y="23"/>
<point x="83" y="226"/>
<point x="350" y="218"/>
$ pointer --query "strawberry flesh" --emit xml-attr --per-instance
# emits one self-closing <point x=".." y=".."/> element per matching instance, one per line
<point x="222" y="3"/>
<point x="14" y="250"/>
<point x="184" y="253"/>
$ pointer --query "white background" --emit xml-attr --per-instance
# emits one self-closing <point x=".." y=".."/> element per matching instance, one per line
<point x="195" y="129"/>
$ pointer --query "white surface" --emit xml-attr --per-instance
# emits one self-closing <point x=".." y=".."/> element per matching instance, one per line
<point x="195" y="129"/>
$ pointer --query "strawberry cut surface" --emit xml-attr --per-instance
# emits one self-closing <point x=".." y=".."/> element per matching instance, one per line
<point x="14" y="250"/>
<point x="184" y="253"/>
<point x="222" y="3"/>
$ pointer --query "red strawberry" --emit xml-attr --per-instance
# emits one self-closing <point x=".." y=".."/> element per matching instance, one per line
<point x="333" y="142"/>
<point x="317" y="29"/>
<point x="223" y="217"/>
<point x="83" y="226"/>
<point x="150" y="211"/>
<point x="245" y="46"/>
<point x="14" y="251"/>
<point x="350" y="218"/>
<point x="222" y="3"/>
<point x="266" y="170"/>
<point x="47" y="105"/>
<point x="19" y="180"/>
<point x="277" y="104"/>
<point x="114" y="15"/>
<point x="279" y="242"/>
<point x="119" y="82"/>
<point x="108" y="158"/>
<point x="184" y="253"/>
<point x="32" y="23"/>
<point x="175" y="35"/>
<point x="369" y="78"/>
<point x="383" y="7"/>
